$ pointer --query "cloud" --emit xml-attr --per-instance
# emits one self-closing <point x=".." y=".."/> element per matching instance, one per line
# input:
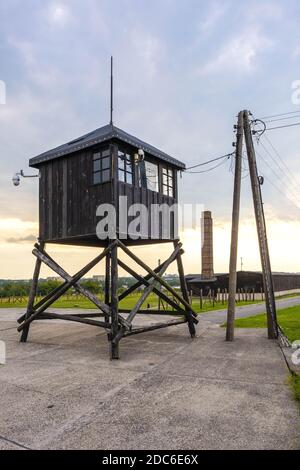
<point x="215" y="13"/>
<point x="17" y="231"/>
<point x="28" y="238"/>
<point x="38" y="71"/>
<point x="239" y="53"/>
<point x="58" y="14"/>
<point x="150" y="51"/>
<point x="264" y="12"/>
<point x="296" y="52"/>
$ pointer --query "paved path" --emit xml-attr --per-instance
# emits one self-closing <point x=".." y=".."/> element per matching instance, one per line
<point x="60" y="390"/>
<point x="216" y="316"/>
<point x="219" y="316"/>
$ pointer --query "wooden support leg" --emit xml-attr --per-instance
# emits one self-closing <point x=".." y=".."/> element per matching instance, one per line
<point x="114" y="337"/>
<point x="32" y="295"/>
<point x="185" y="293"/>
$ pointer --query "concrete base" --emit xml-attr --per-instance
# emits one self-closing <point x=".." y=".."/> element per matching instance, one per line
<point x="60" y="390"/>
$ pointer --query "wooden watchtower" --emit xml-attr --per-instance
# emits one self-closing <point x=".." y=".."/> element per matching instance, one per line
<point x="108" y="168"/>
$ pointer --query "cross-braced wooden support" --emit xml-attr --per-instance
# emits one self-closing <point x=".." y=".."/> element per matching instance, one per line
<point x="117" y="325"/>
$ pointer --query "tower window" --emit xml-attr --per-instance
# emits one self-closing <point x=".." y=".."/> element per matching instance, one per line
<point x="101" y="166"/>
<point x="125" y="164"/>
<point x="151" y="175"/>
<point x="168" y="182"/>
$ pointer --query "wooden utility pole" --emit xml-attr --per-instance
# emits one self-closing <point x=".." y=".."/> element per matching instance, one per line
<point x="235" y="229"/>
<point x="261" y="232"/>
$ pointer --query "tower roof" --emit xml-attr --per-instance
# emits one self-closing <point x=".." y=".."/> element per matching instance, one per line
<point x="98" y="136"/>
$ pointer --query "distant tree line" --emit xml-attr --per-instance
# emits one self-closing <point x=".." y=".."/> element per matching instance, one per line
<point x="45" y="286"/>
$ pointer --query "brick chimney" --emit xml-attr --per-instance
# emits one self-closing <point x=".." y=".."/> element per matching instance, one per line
<point x="207" y="245"/>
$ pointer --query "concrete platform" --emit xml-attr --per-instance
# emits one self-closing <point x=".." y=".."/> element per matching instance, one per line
<point x="61" y="391"/>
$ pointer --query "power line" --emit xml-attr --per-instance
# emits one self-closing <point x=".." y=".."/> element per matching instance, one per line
<point x="294" y="194"/>
<point x="282" y="118"/>
<point x="210" y="161"/>
<point x="281" y="192"/>
<point x="278" y="115"/>
<point x="275" y="186"/>
<point x="210" y="169"/>
<point x="295" y="190"/>
<point x="290" y="176"/>
<point x="281" y="159"/>
<point x="281" y="127"/>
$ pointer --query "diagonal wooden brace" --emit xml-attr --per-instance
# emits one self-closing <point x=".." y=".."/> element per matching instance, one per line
<point x="145" y="281"/>
<point x="159" y="279"/>
<point x="152" y="284"/>
<point x="67" y="285"/>
<point x="184" y="292"/>
<point x="141" y="279"/>
<point x="40" y="303"/>
<point x="46" y="259"/>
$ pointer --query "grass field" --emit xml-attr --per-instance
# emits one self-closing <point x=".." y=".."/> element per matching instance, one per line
<point x="127" y="303"/>
<point x="288" y="319"/>
<point x="295" y="382"/>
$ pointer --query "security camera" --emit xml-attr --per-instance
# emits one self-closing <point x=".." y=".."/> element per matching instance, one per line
<point x="141" y="154"/>
<point x="16" y="179"/>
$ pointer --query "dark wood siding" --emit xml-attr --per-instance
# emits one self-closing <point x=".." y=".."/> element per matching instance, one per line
<point x="69" y="199"/>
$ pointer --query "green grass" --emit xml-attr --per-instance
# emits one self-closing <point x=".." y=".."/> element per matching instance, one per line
<point x="288" y="319"/>
<point x="127" y="303"/>
<point x="295" y="382"/>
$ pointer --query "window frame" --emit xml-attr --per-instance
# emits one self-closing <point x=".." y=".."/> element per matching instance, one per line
<point x="101" y="170"/>
<point x="168" y="173"/>
<point x="157" y="190"/>
<point x="128" y="162"/>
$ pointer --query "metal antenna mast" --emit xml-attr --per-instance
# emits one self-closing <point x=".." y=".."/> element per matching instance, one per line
<point x="111" y="89"/>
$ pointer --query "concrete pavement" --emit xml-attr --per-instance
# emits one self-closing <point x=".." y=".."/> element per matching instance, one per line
<point x="61" y="391"/>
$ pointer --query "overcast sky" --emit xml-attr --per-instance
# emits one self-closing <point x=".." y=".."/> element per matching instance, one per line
<point x="183" y="70"/>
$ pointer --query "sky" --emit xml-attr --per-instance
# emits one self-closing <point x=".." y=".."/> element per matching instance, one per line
<point x="183" y="70"/>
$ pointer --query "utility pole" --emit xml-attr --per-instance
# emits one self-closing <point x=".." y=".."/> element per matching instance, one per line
<point x="242" y="264"/>
<point x="261" y="232"/>
<point x="235" y="228"/>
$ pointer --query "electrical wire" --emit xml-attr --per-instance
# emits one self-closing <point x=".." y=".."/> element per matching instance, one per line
<point x="209" y="161"/>
<point x="282" y="127"/>
<point x="210" y="169"/>
<point x="294" y="194"/>
<point x="295" y="188"/>
<point x="281" y="192"/>
<point x="278" y="115"/>
<point x="274" y="185"/>
<point x="282" y="119"/>
<point x="282" y="160"/>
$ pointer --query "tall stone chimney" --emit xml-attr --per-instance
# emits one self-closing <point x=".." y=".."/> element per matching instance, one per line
<point x="207" y="245"/>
